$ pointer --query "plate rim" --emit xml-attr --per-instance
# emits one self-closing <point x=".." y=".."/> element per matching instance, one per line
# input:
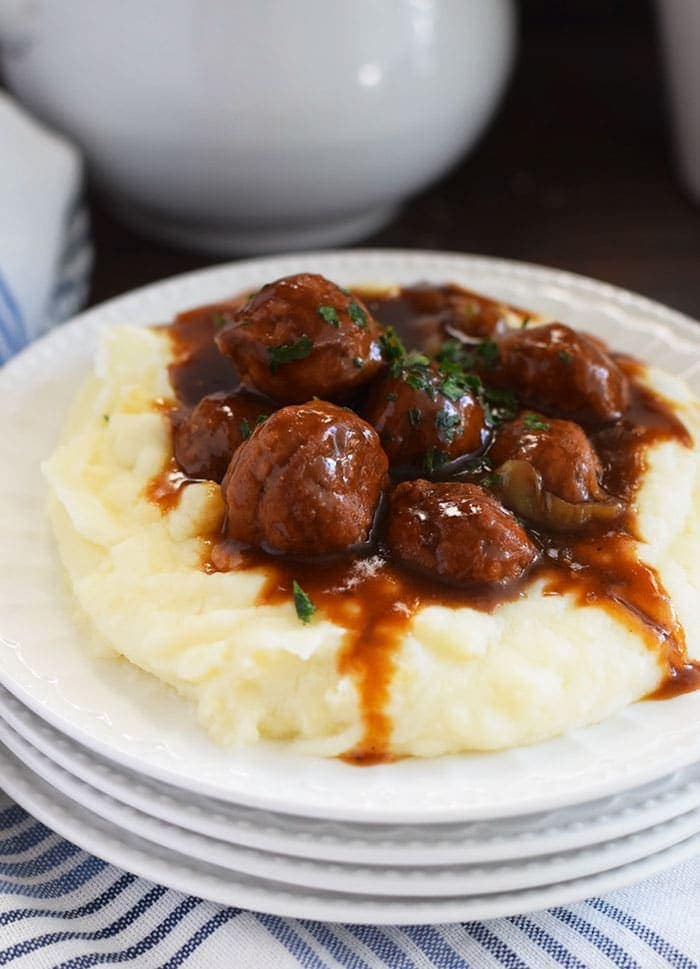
<point x="183" y="874"/>
<point x="522" y="873"/>
<point x="352" y="852"/>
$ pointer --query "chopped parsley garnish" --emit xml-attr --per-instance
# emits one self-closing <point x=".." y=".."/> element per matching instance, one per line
<point x="303" y="605"/>
<point x="260" y="419"/>
<point x="416" y="373"/>
<point x="452" y="387"/>
<point x="244" y="428"/>
<point x="488" y="351"/>
<point x="433" y="460"/>
<point x="105" y="418"/>
<point x="287" y="352"/>
<point x="450" y="356"/>
<point x="524" y="323"/>
<point x="534" y="423"/>
<point x="329" y="314"/>
<point x="359" y="362"/>
<point x="392" y="396"/>
<point x="564" y="356"/>
<point x="219" y="320"/>
<point x="357" y="315"/>
<point x="344" y="291"/>
<point x="502" y="404"/>
<point x="393" y="350"/>
<point x="415" y="416"/>
<point x="447" y="424"/>
<point x="419" y="381"/>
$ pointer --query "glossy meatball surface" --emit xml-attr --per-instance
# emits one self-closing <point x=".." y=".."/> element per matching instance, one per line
<point x="457" y="531"/>
<point x="554" y="368"/>
<point x="301" y="337"/>
<point x="205" y="439"/>
<point x="421" y="427"/>
<point x="559" y="450"/>
<point x="307" y="482"/>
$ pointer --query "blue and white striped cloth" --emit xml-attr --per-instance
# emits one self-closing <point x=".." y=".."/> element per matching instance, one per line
<point x="62" y="907"/>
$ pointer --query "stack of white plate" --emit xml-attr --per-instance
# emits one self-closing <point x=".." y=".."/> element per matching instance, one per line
<point x="111" y="760"/>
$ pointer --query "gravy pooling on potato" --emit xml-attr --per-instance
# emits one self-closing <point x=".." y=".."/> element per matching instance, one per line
<point x="553" y="399"/>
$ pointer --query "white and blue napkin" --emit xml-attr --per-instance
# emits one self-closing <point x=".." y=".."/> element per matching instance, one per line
<point x="45" y="252"/>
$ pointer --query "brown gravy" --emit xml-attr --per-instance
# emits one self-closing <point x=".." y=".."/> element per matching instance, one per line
<point x="374" y="598"/>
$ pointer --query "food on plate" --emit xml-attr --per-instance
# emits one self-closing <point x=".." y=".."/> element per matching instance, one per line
<point x="424" y="417"/>
<point x="205" y="438"/>
<point x="457" y="531"/>
<point x="556" y="369"/>
<point x="558" y="450"/>
<point x="374" y="523"/>
<point x="302" y="336"/>
<point x="308" y="481"/>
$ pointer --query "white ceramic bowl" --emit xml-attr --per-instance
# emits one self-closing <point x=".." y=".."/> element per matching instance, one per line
<point x="261" y="124"/>
<point x="680" y="33"/>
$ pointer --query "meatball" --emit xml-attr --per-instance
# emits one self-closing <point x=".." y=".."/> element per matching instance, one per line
<point x="205" y="440"/>
<point x="307" y="482"/>
<point x="418" y="425"/>
<point x="457" y="531"/>
<point x="301" y="337"/>
<point x="559" y="450"/>
<point x="556" y="369"/>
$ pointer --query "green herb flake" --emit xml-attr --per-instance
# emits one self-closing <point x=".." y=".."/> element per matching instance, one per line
<point x="452" y="388"/>
<point x="393" y="351"/>
<point x="488" y="351"/>
<point x="219" y="321"/>
<point x="303" y="605"/>
<point x="525" y="322"/>
<point x="260" y="419"/>
<point x="433" y="460"/>
<point x="287" y="352"/>
<point x="502" y="404"/>
<point x="359" y="362"/>
<point x="329" y="314"/>
<point x="344" y="291"/>
<point x="105" y="418"/>
<point x="447" y="424"/>
<point x="357" y="315"/>
<point x="392" y="396"/>
<point x="244" y="428"/>
<point x="419" y="382"/>
<point x="534" y="423"/>
<point x="565" y="357"/>
<point x="415" y="416"/>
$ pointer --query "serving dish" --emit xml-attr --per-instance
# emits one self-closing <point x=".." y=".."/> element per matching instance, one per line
<point x="353" y="878"/>
<point x="132" y="721"/>
<point x="175" y="870"/>
<point x="364" y="844"/>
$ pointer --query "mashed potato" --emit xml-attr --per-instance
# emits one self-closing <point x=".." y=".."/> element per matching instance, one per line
<point x="464" y="679"/>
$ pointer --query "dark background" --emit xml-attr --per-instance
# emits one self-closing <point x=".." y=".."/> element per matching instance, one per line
<point x="575" y="172"/>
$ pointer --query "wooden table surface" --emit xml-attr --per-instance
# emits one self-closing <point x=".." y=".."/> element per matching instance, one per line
<point x="575" y="172"/>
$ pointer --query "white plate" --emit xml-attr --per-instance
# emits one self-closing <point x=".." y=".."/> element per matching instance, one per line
<point x="126" y="716"/>
<point x="174" y="870"/>
<point x="355" y="879"/>
<point x="398" y="845"/>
